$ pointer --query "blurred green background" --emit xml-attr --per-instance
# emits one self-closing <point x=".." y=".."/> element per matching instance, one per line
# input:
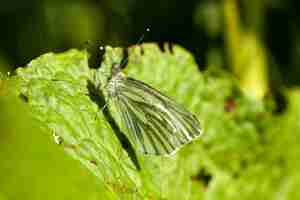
<point x="257" y="41"/>
<point x="31" y="28"/>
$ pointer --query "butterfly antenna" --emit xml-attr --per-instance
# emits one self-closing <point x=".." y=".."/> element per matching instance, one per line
<point x="142" y="37"/>
<point x="140" y="40"/>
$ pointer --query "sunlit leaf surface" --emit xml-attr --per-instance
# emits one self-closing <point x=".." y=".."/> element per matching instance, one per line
<point x="244" y="151"/>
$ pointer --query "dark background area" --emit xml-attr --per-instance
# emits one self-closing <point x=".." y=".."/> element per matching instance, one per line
<point x="31" y="28"/>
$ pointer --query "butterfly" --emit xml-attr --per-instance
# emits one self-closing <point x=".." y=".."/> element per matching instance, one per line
<point x="156" y="123"/>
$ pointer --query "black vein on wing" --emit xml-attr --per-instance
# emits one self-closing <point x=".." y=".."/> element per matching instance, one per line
<point x="130" y="120"/>
<point x="143" y="87"/>
<point x="186" y="119"/>
<point x="158" y="129"/>
<point x="141" y="129"/>
<point x="158" y="115"/>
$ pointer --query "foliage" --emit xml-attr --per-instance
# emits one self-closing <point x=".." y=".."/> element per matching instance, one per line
<point x="245" y="151"/>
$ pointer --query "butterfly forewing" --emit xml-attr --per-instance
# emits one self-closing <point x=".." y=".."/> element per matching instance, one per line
<point x="158" y="125"/>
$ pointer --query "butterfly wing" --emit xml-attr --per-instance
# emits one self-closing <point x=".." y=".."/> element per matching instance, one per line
<point x="157" y="123"/>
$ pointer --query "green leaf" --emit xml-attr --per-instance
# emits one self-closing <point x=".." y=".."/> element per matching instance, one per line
<point x="32" y="166"/>
<point x="56" y="88"/>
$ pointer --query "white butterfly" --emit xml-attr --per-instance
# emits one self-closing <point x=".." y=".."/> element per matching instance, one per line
<point x="157" y="124"/>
